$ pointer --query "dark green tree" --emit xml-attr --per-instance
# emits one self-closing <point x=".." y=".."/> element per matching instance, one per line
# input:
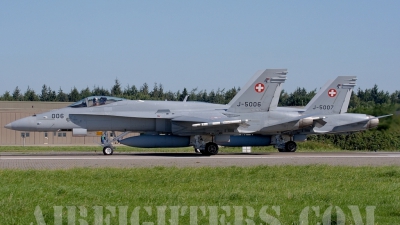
<point x="51" y="95"/>
<point x="61" y="96"/>
<point x="169" y="96"/>
<point x="100" y="91"/>
<point x="74" y="95"/>
<point x="300" y="97"/>
<point x="85" y="93"/>
<point x="283" y="99"/>
<point x="155" y="93"/>
<point x="30" y="95"/>
<point x="220" y="96"/>
<point x="144" y="92"/>
<point x="130" y="92"/>
<point x="6" y="97"/>
<point x="44" y="94"/>
<point x="192" y="95"/>
<point x="183" y="95"/>
<point x="116" y="89"/>
<point x="230" y="94"/>
<point x="17" y="96"/>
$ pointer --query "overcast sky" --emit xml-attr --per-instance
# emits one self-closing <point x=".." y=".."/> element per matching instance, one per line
<point x="196" y="44"/>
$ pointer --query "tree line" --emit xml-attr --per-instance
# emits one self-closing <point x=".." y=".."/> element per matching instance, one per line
<point x="360" y="99"/>
<point x="371" y="101"/>
<point x="144" y="92"/>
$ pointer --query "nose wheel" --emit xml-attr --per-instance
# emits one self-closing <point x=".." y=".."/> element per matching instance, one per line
<point x="108" y="150"/>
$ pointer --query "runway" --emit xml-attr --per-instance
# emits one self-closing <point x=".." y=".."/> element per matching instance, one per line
<point x="65" y="160"/>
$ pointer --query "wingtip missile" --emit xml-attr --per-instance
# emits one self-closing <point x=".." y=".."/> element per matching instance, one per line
<point x="226" y="122"/>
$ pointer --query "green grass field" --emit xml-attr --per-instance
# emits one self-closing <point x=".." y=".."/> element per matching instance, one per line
<point x="220" y="192"/>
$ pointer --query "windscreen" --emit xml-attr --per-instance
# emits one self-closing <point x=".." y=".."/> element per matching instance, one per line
<point x="93" y="101"/>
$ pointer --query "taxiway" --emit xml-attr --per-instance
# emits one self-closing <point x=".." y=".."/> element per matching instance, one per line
<point x="65" y="160"/>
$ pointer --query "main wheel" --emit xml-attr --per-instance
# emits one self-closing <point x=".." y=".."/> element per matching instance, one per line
<point x="108" y="150"/>
<point x="211" y="148"/>
<point x="290" y="146"/>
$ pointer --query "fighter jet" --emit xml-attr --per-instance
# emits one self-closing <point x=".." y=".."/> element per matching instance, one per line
<point x="326" y="113"/>
<point x="251" y="118"/>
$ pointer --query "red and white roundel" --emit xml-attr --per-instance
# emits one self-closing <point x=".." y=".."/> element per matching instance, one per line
<point x="259" y="87"/>
<point x="332" y="93"/>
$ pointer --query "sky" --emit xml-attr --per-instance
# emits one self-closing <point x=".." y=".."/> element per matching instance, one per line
<point x="196" y="44"/>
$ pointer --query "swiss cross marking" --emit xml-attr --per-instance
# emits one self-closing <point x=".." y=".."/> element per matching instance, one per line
<point x="259" y="87"/>
<point x="332" y="93"/>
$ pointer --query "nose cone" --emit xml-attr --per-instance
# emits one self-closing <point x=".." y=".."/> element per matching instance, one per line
<point x="373" y="123"/>
<point x="24" y="124"/>
<point x="8" y="126"/>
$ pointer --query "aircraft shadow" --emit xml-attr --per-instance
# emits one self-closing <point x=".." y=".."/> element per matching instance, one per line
<point x="177" y="154"/>
<point x="99" y="153"/>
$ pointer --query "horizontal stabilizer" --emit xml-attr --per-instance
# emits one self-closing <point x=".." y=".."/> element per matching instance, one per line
<point x="384" y="116"/>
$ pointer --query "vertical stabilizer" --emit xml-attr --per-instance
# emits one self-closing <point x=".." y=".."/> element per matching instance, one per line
<point x="333" y="97"/>
<point x="261" y="93"/>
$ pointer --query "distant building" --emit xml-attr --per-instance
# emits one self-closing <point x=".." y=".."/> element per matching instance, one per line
<point x="13" y="110"/>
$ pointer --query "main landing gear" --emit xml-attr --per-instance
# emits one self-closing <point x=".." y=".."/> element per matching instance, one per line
<point x="108" y="148"/>
<point x="285" y="146"/>
<point x="209" y="148"/>
<point x="290" y="146"/>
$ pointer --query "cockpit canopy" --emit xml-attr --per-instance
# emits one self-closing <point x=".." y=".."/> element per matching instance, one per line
<point x="95" y="101"/>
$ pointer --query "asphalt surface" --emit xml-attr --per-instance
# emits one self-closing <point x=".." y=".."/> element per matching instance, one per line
<point x="65" y="160"/>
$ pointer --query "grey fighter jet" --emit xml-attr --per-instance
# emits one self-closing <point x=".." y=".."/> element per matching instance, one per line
<point x="251" y="118"/>
<point x="326" y="113"/>
<point x="162" y="123"/>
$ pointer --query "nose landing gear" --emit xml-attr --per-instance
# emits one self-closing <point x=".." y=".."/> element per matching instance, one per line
<point x="108" y="148"/>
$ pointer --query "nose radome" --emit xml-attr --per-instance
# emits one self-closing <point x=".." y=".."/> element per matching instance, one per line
<point x="24" y="124"/>
<point x="8" y="126"/>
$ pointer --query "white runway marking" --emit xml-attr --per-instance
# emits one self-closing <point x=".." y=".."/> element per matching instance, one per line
<point x="146" y="159"/>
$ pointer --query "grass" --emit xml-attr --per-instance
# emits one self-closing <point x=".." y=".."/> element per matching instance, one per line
<point x="291" y="188"/>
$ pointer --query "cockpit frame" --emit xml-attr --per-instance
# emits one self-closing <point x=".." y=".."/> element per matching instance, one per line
<point x="93" y="101"/>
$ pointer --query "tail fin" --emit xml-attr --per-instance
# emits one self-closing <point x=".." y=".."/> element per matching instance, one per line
<point x="333" y="97"/>
<point x="261" y="92"/>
